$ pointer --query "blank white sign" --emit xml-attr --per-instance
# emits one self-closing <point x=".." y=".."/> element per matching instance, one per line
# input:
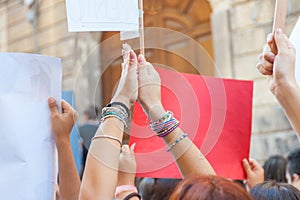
<point x="28" y="155"/>
<point x="102" y="15"/>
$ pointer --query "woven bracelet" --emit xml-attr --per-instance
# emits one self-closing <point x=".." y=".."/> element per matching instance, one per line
<point x="169" y="130"/>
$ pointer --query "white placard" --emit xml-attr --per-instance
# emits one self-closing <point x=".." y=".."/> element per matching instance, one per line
<point x="127" y="35"/>
<point x="295" y="39"/>
<point x="102" y="15"/>
<point x="28" y="154"/>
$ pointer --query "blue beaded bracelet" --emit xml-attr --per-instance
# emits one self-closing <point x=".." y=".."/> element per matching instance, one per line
<point x="176" y="142"/>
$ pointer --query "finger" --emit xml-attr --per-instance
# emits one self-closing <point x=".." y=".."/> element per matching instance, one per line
<point x="67" y="108"/>
<point x="132" y="147"/>
<point x="53" y="106"/>
<point x="246" y="166"/>
<point x="266" y="49"/>
<point x="282" y="42"/>
<point x="270" y="38"/>
<point x="262" y="70"/>
<point x="268" y="66"/>
<point x="142" y="59"/>
<point x="125" y="149"/>
<point x="133" y="60"/>
<point x="254" y="163"/>
<point x="269" y="57"/>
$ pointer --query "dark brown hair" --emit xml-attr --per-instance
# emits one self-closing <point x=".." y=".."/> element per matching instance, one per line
<point x="208" y="188"/>
<point x="275" y="169"/>
<point x="157" y="189"/>
<point x="270" y="190"/>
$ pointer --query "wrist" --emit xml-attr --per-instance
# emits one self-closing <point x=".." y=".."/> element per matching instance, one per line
<point x="62" y="143"/>
<point x="123" y="100"/>
<point x="125" y="178"/>
<point x="155" y="111"/>
<point x="283" y="88"/>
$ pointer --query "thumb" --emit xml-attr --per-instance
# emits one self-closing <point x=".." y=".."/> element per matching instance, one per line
<point x="142" y="59"/>
<point x="53" y="106"/>
<point x="246" y="166"/>
<point x="281" y="41"/>
<point x="132" y="60"/>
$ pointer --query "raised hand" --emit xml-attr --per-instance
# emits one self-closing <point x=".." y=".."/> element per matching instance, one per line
<point x="149" y="89"/>
<point x="62" y="124"/>
<point x="127" y="91"/>
<point x="279" y="68"/>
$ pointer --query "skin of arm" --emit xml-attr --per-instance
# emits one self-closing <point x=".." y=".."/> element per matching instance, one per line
<point x="189" y="159"/>
<point x="280" y="71"/>
<point x="101" y="172"/>
<point x="62" y="124"/>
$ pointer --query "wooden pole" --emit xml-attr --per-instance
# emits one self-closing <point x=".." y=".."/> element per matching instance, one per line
<point x="141" y="28"/>
<point x="279" y="19"/>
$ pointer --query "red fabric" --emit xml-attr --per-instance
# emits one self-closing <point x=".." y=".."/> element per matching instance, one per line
<point x="217" y="115"/>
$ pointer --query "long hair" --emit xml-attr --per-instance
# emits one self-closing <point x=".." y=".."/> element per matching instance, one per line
<point x="275" y="169"/>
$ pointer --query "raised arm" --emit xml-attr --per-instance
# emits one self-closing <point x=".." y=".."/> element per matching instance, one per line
<point x="188" y="157"/>
<point x="280" y="70"/>
<point x="62" y="124"/>
<point x="101" y="172"/>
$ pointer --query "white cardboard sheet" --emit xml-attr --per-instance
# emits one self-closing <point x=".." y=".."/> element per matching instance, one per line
<point x="102" y="15"/>
<point x="27" y="149"/>
<point x="295" y="39"/>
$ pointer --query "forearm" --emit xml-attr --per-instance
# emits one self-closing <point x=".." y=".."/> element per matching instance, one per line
<point x="188" y="157"/>
<point x="288" y="96"/>
<point x="101" y="172"/>
<point x="69" y="181"/>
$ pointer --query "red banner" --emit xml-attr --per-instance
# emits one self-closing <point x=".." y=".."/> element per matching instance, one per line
<point x="215" y="113"/>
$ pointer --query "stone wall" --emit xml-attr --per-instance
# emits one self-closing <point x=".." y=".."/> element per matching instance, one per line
<point x="240" y="28"/>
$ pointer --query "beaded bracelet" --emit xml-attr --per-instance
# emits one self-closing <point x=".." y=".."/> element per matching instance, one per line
<point x="115" y="115"/>
<point x="121" y="105"/>
<point x="119" y="113"/>
<point x="114" y="109"/>
<point x="176" y="142"/>
<point x="169" y="130"/>
<point x="160" y="127"/>
<point x="165" y="125"/>
<point x="166" y="117"/>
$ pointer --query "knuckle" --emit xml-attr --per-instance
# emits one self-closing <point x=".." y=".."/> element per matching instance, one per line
<point x="55" y="116"/>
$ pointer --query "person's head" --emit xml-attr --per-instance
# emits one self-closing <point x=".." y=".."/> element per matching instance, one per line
<point x="91" y="113"/>
<point x="157" y="189"/>
<point x="208" y="188"/>
<point x="275" y="169"/>
<point x="270" y="190"/>
<point x="293" y="172"/>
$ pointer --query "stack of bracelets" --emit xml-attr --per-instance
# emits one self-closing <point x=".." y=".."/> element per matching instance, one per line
<point x="117" y="110"/>
<point x="166" y="125"/>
